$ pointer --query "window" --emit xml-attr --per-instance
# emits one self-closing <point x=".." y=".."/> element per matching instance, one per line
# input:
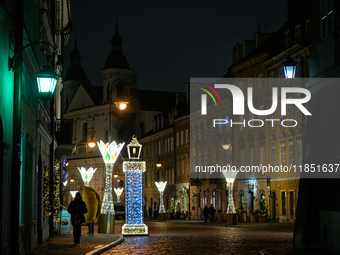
<point x="298" y="113"/>
<point x="271" y="79"/>
<point x="298" y="68"/>
<point x="242" y="123"/>
<point x="283" y="154"/>
<point x="156" y="151"/>
<point x="169" y="145"/>
<point x="205" y="130"/>
<point x="262" y="156"/>
<point x="84" y="132"/>
<point x="182" y="137"/>
<point x="290" y="111"/>
<point x="281" y="75"/>
<point x="326" y="18"/>
<point x="283" y="200"/>
<point x="159" y="148"/>
<point x="213" y="158"/>
<point x="177" y="139"/>
<point x="272" y="156"/>
<point x="240" y="85"/>
<point x="298" y="33"/>
<point x="251" y="157"/>
<point x="166" y="146"/>
<point x="178" y="170"/>
<point x="261" y="109"/>
<point x="287" y="39"/>
<point x="261" y="81"/>
<point x="187" y="136"/>
<point x="172" y="144"/>
<point x="151" y="150"/>
<point x="187" y="164"/>
<point x="291" y="203"/>
<point x="182" y="166"/>
<point x="299" y="153"/>
<point x="242" y="158"/>
<point x="272" y="117"/>
<point x="251" y="116"/>
<point x="250" y="82"/>
<point x="291" y="154"/>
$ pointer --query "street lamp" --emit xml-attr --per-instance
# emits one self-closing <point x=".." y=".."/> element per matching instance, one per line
<point x="47" y="81"/>
<point x="289" y="67"/>
<point x="161" y="188"/>
<point x="118" y="192"/>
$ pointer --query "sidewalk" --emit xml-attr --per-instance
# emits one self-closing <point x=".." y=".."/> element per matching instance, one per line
<point x="89" y="245"/>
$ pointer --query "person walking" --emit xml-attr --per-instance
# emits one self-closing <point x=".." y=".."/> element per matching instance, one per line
<point x="77" y="209"/>
<point x="212" y="213"/>
<point x="206" y="213"/>
<point x="150" y="212"/>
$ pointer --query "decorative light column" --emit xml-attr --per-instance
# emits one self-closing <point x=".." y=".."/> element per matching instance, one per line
<point x="86" y="175"/>
<point x="110" y="154"/>
<point x="161" y="188"/>
<point x="231" y="212"/>
<point x="134" y="191"/>
<point x="73" y="193"/>
<point x="118" y="191"/>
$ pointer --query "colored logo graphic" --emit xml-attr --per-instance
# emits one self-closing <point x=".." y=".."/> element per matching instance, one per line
<point x="209" y="93"/>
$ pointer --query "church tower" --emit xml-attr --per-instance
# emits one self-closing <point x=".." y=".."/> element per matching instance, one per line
<point x="118" y="78"/>
<point x="119" y="84"/>
<point x="75" y="75"/>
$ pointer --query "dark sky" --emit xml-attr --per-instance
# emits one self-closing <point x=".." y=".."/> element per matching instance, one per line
<point x="167" y="42"/>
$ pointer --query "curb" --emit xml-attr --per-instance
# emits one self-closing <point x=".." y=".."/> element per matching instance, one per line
<point x="102" y="248"/>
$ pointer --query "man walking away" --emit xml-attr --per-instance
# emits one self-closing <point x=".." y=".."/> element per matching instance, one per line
<point x="206" y="213"/>
<point x="77" y="209"/>
<point x="212" y="213"/>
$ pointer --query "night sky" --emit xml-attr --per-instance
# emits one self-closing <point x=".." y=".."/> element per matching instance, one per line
<point x="167" y="42"/>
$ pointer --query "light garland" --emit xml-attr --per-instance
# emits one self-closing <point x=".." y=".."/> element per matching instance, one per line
<point x="230" y="178"/>
<point x="87" y="175"/>
<point x="118" y="192"/>
<point x="161" y="188"/>
<point x="134" y="198"/>
<point x="110" y="154"/>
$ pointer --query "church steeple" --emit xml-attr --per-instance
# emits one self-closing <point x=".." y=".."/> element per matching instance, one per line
<point x="116" y="59"/>
<point x="75" y="72"/>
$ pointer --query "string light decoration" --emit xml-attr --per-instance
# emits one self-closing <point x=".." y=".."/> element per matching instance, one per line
<point x="118" y="192"/>
<point x="110" y="154"/>
<point x="134" y="192"/>
<point x="87" y="175"/>
<point x="161" y="188"/>
<point x="46" y="200"/>
<point x="230" y="178"/>
<point x="56" y="191"/>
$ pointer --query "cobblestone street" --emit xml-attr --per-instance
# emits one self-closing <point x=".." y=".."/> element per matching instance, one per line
<point x="199" y="238"/>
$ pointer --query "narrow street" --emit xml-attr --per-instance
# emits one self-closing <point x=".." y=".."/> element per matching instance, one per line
<point x="199" y="238"/>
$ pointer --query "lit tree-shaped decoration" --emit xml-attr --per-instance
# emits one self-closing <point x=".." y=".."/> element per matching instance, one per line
<point x="118" y="191"/>
<point x="87" y="175"/>
<point x="73" y="193"/>
<point x="110" y="153"/>
<point x="161" y="188"/>
<point x="65" y="183"/>
<point x="230" y="178"/>
<point x="134" y="191"/>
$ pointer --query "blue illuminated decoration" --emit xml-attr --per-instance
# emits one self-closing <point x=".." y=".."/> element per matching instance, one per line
<point x="134" y="198"/>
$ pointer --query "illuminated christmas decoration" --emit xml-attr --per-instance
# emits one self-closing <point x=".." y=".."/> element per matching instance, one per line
<point x="118" y="191"/>
<point x="230" y="178"/>
<point x="87" y="175"/>
<point x="161" y="188"/>
<point x="73" y="193"/>
<point x="110" y="154"/>
<point x="65" y="183"/>
<point x="134" y="192"/>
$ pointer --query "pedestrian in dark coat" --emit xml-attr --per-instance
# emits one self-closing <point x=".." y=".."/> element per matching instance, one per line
<point x="206" y="213"/>
<point x="77" y="209"/>
<point x="212" y="213"/>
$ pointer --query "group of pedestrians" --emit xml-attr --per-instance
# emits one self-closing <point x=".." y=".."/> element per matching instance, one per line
<point x="209" y="212"/>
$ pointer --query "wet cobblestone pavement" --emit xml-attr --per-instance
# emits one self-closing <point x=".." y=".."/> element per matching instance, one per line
<point x="199" y="238"/>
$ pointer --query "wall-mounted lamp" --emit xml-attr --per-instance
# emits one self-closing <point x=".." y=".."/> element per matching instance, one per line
<point x="159" y="164"/>
<point x="46" y="79"/>
<point x="289" y="67"/>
